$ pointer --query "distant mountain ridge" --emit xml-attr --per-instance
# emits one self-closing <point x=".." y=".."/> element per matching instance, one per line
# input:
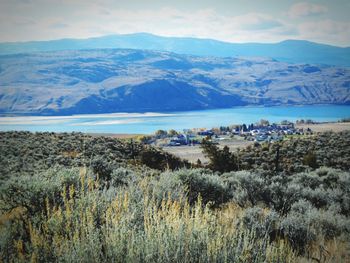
<point x="127" y="80"/>
<point x="293" y="51"/>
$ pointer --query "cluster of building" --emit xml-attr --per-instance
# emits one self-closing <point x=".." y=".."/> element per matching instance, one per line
<point x="184" y="139"/>
<point x="254" y="132"/>
<point x="269" y="133"/>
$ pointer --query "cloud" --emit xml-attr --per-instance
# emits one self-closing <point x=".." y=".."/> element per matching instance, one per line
<point x="204" y="23"/>
<point x="58" y="25"/>
<point x="256" y="21"/>
<point x="306" y="9"/>
<point x="23" y="1"/>
<point x="326" y="31"/>
<point x="83" y="19"/>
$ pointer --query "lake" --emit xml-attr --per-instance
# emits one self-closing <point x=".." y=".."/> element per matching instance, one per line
<point x="145" y="123"/>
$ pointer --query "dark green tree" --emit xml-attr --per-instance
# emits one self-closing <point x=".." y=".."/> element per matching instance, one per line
<point x="310" y="159"/>
<point x="220" y="160"/>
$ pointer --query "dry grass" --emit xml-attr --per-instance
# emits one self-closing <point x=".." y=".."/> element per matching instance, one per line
<point x="193" y="153"/>
<point x="93" y="225"/>
<point x="327" y="126"/>
<point x="88" y="228"/>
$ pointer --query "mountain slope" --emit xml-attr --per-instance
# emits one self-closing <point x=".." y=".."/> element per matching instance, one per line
<point x="120" y="80"/>
<point x="294" y="51"/>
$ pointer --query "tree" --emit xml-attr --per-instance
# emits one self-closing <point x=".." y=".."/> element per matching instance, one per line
<point x="220" y="160"/>
<point x="309" y="121"/>
<point x="264" y="122"/>
<point x="144" y="139"/>
<point x="161" y="133"/>
<point x="172" y="132"/>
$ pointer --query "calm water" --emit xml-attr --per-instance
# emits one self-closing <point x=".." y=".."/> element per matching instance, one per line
<point x="150" y="122"/>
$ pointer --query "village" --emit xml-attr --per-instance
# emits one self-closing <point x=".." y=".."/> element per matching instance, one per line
<point x="258" y="132"/>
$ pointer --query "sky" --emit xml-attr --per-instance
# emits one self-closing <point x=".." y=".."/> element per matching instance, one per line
<point x="239" y="21"/>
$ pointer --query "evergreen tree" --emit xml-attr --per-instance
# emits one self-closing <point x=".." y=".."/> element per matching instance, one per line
<point x="220" y="160"/>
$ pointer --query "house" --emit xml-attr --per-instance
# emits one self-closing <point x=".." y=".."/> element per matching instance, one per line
<point x="206" y="133"/>
<point x="261" y="138"/>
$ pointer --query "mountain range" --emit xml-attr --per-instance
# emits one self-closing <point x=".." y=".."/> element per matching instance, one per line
<point x="292" y="51"/>
<point x="130" y="80"/>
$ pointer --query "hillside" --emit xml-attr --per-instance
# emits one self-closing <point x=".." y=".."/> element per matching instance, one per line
<point x="293" y="51"/>
<point x="25" y="153"/>
<point x="74" y="198"/>
<point x="125" y="80"/>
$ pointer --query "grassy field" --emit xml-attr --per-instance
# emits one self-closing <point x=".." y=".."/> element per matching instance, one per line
<point x="193" y="153"/>
<point x="327" y="126"/>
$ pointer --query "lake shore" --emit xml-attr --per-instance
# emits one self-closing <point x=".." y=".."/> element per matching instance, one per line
<point x="148" y="123"/>
<point x="316" y="127"/>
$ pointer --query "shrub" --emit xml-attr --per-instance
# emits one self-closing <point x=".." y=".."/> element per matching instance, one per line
<point x="133" y="213"/>
<point x="263" y="222"/>
<point x="157" y="159"/>
<point x="208" y="186"/>
<point x="102" y="168"/>
<point x="28" y="153"/>
<point x="168" y="185"/>
<point x="33" y="192"/>
<point x="122" y="176"/>
<point x="283" y="195"/>
<point x="247" y="188"/>
<point x="296" y="229"/>
<point x="310" y="159"/>
<point x="89" y="227"/>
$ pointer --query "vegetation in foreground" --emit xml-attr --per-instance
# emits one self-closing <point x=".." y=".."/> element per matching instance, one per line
<point x="129" y="212"/>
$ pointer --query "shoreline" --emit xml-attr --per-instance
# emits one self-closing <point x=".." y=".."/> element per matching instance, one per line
<point x="335" y="126"/>
<point x="165" y="111"/>
<point x="315" y="127"/>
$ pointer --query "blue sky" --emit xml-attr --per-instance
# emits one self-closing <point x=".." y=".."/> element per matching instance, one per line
<point x="234" y="21"/>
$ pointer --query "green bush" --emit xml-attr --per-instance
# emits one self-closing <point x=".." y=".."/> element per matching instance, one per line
<point x="265" y="224"/>
<point x="296" y="230"/>
<point x="247" y="188"/>
<point x="305" y="223"/>
<point x="29" y="153"/>
<point x="122" y="176"/>
<point x="310" y="159"/>
<point x="157" y="159"/>
<point x="102" y="168"/>
<point x="33" y="192"/>
<point x="208" y="186"/>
